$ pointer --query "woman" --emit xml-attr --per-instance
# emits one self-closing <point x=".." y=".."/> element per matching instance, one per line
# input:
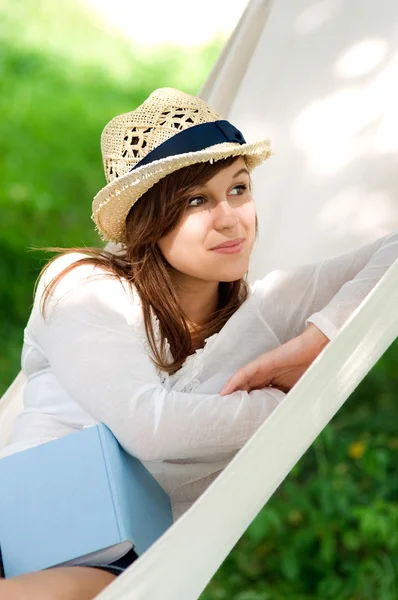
<point x="145" y="335"/>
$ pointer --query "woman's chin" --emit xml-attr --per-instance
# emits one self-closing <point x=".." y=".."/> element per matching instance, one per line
<point x="232" y="274"/>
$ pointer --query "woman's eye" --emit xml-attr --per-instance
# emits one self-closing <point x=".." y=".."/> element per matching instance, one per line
<point x="197" y="198"/>
<point x="241" y="189"/>
<point x="238" y="190"/>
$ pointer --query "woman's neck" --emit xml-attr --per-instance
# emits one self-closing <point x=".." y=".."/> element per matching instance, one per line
<point x="198" y="301"/>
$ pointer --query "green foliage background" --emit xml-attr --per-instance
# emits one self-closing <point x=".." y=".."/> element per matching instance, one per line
<point x="331" y="530"/>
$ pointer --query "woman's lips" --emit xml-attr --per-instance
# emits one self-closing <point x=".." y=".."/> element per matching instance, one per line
<point x="230" y="249"/>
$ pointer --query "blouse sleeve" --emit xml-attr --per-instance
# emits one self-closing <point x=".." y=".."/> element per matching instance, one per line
<point x="326" y="293"/>
<point x="89" y="340"/>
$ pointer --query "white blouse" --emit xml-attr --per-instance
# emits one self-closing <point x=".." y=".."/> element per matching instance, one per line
<point x="89" y="362"/>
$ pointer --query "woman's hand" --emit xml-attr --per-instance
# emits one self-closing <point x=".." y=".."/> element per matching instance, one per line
<point x="282" y="367"/>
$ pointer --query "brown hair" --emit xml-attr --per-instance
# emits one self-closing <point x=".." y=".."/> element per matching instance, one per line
<point x="142" y="264"/>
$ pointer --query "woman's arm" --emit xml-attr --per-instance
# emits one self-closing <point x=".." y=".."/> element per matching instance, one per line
<point x="93" y="351"/>
<point x="326" y="293"/>
<point x="281" y="367"/>
<point x="323" y="296"/>
<point x="344" y="282"/>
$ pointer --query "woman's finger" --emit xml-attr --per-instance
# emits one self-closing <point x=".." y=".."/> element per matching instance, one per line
<point x="240" y="378"/>
<point x="233" y="383"/>
<point x="245" y="379"/>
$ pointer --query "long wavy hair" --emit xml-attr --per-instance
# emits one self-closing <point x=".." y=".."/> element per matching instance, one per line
<point x="140" y="262"/>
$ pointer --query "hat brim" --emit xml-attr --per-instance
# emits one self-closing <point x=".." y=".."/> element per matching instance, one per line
<point x="113" y="202"/>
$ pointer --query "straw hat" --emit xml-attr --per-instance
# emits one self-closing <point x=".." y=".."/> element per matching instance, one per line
<point x="170" y="130"/>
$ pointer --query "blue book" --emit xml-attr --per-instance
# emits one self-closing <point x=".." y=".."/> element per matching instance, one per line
<point x="78" y="499"/>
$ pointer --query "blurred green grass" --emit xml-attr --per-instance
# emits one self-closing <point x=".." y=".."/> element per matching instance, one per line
<point x="330" y="531"/>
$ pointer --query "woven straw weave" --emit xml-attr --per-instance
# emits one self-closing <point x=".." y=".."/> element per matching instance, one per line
<point x="129" y="137"/>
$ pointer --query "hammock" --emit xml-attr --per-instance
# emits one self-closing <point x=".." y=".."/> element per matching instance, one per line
<point x="324" y="93"/>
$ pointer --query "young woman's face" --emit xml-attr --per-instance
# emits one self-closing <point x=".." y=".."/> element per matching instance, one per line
<point x="222" y="210"/>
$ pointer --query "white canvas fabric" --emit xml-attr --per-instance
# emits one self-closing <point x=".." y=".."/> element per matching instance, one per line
<point x="321" y="84"/>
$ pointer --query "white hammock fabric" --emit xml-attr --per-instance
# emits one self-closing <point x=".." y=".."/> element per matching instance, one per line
<point x="319" y="196"/>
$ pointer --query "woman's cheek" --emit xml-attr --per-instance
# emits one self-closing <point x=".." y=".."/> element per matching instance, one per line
<point x="248" y="218"/>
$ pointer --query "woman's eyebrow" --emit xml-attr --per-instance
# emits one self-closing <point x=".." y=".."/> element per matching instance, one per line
<point x="240" y="172"/>
<point x="204" y="185"/>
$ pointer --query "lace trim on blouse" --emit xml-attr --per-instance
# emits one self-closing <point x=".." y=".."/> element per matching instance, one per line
<point x="186" y="379"/>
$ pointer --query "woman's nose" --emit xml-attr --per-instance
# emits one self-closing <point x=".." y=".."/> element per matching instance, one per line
<point x="224" y="216"/>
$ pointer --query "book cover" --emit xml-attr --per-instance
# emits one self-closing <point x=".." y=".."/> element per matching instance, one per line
<point x="78" y="499"/>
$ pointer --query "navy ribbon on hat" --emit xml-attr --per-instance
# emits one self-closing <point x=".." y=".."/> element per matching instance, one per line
<point x="194" y="139"/>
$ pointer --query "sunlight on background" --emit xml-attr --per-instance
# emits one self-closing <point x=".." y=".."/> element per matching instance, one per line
<point x="362" y="58"/>
<point x="154" y="22"/>
<point x="348" y="117"/>
<point x="316" y="15"/>
<point x="368" y="210"/>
